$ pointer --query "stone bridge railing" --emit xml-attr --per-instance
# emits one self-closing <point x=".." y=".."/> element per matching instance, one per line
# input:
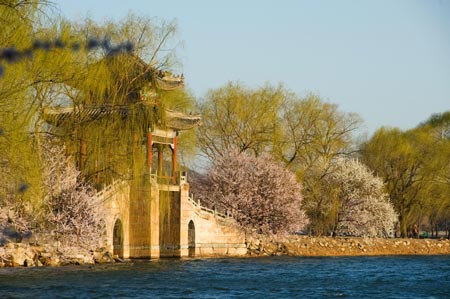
<point x="213" y="212"/>
<point x="109" y="190"/>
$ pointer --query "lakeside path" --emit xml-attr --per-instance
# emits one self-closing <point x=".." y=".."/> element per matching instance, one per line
<point x="327" y="246"/>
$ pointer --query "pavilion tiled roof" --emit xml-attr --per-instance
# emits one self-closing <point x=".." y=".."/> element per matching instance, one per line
<point x="174" y="120"/>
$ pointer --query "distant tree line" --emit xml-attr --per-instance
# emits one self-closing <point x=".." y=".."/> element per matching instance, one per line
<point x="383" y="186"/>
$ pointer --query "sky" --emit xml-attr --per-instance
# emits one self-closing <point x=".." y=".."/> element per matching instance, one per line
<point x="388" y="61"/>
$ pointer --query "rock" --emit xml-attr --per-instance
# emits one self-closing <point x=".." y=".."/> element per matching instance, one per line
<point x="11" y="234"/>
<point x="103" y="257"/>
<point x="97" y="256"/>
<point x="253" y="246"/>
<point x="18" y="257"/>
<point x="88" y="260"/>
<point x="305" y="245"/>
<point x="292" y="249"/>
<point x="78" y="259"/>
<point x="346" y="244"/>
<point x="270" y="248"/>
<point x="49" y="260"/>
<point x="37" y="262"/>
<point x="281" y="248"/>
<point x="29" y="263"/>
<point x="10" y="245"/>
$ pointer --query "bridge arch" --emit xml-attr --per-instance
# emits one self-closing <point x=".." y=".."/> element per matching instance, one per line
<point x="191" y="238"/>
<point x="118" y="238"/>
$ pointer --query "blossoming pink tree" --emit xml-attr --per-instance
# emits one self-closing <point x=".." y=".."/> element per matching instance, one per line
<point x="262" y="195"/>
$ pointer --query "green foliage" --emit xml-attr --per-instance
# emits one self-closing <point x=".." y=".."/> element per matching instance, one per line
<point x="414" y="166"/>
<point x="86" y="78"/>
<point x="19" y="167"/>
<point x="235" y="116"/>
<point x="305" y="134"/>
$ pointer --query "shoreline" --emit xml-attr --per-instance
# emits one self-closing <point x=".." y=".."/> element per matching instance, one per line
<point x="345" y="246"/>
<point x="26" y="255"/>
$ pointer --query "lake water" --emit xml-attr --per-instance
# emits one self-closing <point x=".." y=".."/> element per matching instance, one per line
<point x="272" y="277"/>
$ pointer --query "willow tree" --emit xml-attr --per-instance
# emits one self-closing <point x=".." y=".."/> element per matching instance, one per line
<point x="28" y="67"/>
<point x="407" y="162"/>
<point x="311" y="134"/>
<point x="436" y="202"/>
<point x="48" y="63"/>
<point x="237" y="117"/>
<point x="305" y="134"/>
<point x="116" y="96"/>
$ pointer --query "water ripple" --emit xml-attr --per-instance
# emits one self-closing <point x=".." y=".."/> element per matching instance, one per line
<point x="277" y="277"/>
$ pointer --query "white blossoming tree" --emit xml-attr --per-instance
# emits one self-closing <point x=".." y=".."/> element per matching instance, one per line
<point x="71" y="209"/>
<point x="361" y="204"/>
<point x="262" y="195"/>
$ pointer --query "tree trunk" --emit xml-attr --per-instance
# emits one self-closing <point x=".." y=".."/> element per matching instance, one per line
<point x="403" y="227"/>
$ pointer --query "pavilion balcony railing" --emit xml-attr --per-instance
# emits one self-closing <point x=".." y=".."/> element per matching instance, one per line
<point x="180" y="177"/>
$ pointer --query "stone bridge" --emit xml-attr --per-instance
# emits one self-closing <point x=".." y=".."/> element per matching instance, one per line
<point x="164" y="221"/>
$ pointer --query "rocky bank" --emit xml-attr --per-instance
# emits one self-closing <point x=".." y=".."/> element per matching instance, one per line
<point x="326" y="246"/>
<point x="26" y="255"/>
